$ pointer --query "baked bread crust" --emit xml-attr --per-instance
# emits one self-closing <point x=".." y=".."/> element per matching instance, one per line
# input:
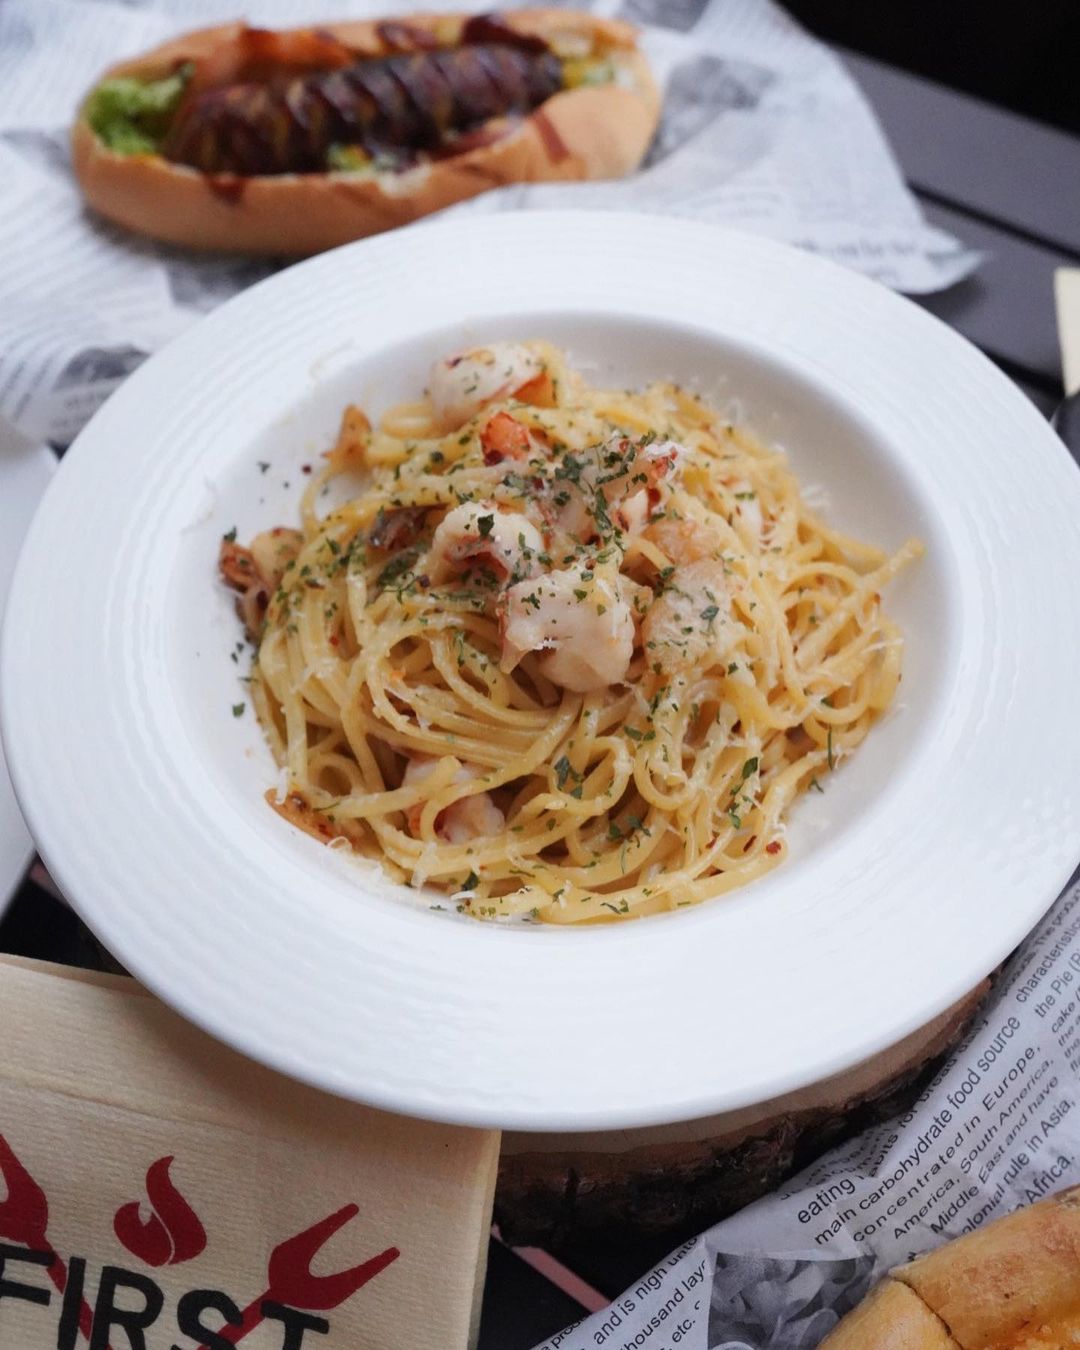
<point x="592" y="132"/>
<point x="1014" y="1285"/>
<point x="891" y="1317"/>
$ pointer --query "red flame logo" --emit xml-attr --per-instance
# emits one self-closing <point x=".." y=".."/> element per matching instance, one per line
<point x="172" y="1234"/>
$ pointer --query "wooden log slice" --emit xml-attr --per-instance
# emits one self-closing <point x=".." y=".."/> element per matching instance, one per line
<point x="673" y="1181"/>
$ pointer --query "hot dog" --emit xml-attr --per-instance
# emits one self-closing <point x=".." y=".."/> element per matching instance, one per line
<point x="291" y="142"/>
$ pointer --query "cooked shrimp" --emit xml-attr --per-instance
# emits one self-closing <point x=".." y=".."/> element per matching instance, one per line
<point x="256" y="572"/>
<point x="504" y="437"/>
<point x="690" y="620"/>
<point x="581" y="621"/>
<point x="650" y="474"/>
<point x="684" y="540"/>
<point x="354" y="437"/>
<point x="237" y="566"/>
<point x="478" y="534"/>
<point x="272" y="551"/>
<point x="570" y="510"/>
<point x="633" y="478"/>
<point x="660" y="462"/>
<point x="461" y="822"/>
<point x="461" y="385"/>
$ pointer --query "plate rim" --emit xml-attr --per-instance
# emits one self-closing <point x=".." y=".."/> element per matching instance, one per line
<point x="126" y="944"/>
<point x="32" y="466"/>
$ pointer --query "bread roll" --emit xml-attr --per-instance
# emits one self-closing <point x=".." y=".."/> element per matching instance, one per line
<point x="1014" y="1285"/>
<point x="891" y="1317"/>
<point x="590" y="130"/>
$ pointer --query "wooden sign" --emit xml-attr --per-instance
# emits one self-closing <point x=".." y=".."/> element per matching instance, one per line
<point x="1067" y="295"/>
<point x="160" y="1192"/>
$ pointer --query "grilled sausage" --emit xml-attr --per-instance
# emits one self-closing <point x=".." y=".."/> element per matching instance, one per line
<point x="389" y="107"/>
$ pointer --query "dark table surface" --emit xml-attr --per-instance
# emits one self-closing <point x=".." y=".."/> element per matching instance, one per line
<point x="1002" y="183"/>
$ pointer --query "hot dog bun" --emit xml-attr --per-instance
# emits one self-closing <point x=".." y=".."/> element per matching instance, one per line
<point x="1014" y="1285"/>
<point x="598" y="131"/>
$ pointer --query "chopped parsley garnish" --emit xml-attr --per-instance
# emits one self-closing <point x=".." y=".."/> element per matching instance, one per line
<point x="600" y="514"/>
<point x="396" y="568"/>
<point x="570" y="468"/>
<point x="238" y="709"/>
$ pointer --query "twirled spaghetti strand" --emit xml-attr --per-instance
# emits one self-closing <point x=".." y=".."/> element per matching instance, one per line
<point x="385" y="688"/>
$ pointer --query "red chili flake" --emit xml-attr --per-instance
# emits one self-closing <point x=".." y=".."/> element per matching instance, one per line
<point x="334" y="640"/>
<point x="774" y="847"/>
<point x="749" y="844"/>
<point x="305" y="468"/>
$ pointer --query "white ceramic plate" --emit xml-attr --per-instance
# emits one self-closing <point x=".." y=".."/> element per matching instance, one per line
<point x="927" y="859"/>
<point x="25" y="471"/>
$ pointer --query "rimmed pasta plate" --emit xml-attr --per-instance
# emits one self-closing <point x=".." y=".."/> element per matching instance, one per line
<point x="551" y="649"/>
<point x="25" y="471"/>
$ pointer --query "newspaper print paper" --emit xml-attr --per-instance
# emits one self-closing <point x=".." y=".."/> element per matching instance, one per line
<point x="762" y="130"/>
<point x="996" y="1128"/>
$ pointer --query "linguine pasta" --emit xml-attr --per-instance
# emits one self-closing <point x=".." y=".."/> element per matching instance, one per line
<point x="563" y="652"/>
